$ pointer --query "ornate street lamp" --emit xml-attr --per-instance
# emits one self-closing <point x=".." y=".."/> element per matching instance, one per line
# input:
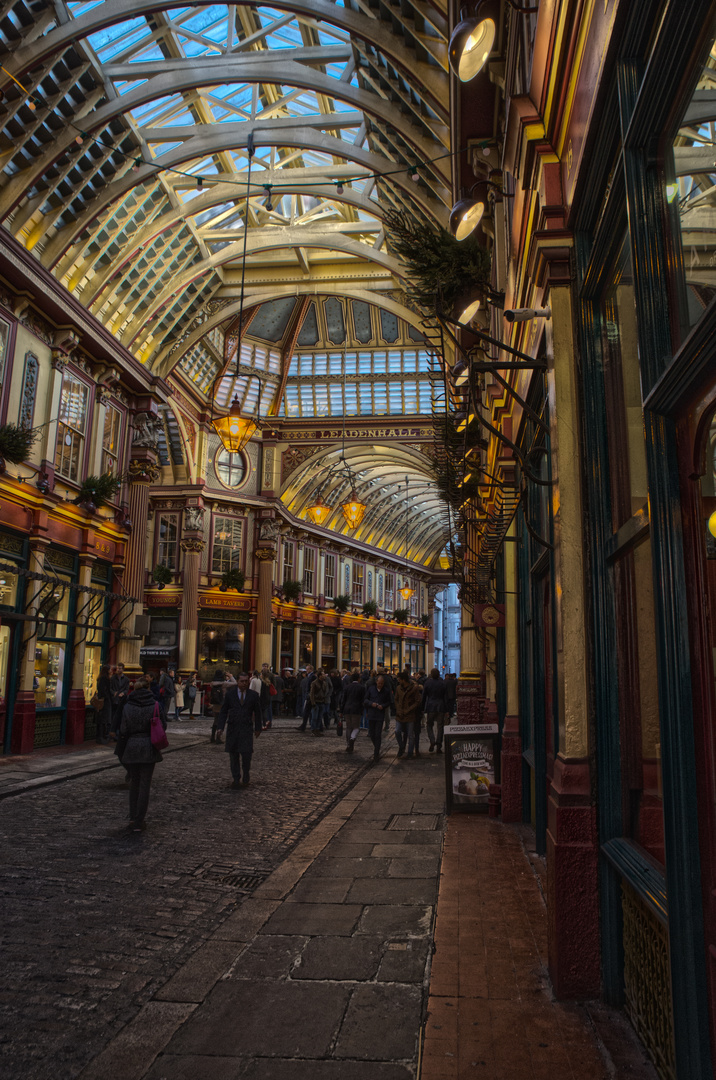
<point x="353" y="510"/>
<point x="318" y="511"/>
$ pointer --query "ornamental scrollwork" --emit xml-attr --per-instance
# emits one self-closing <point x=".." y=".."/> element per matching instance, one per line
<point x="193" y="543"/>
<point x="143" y="471"/>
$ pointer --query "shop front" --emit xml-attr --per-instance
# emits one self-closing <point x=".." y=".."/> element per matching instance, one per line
<point x="53" y="646"/>
<point x="414" y="654"/>
<point x="329" y="658"/>
<point x="12" y="554"/>
<point x="223" y="641"/>
<point x="357" y="649"/>
<point x="389" y="652"/>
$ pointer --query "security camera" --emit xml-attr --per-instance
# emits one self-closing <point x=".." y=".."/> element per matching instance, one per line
<point x="524" y="314"/>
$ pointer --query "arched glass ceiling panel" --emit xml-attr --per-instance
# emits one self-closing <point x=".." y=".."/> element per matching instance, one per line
<point x="101" y="183"/>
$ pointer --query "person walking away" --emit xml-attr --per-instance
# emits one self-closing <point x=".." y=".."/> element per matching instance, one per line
<point x="377" y="700"/>
<point x="451" y="693"/>
<point x="241" y="714"/>
<point x="166" y="689"/>
<point x="319" y="697"/>
<point x="119" y="687"/>
<point x="267" y="678"/>
<point x="391" y="684"/>
<point x="103" y="712"/>
<point x="191" y="693"/>
<point x="336" y="691"/>
<point x="351" y="707"/>
<point x="435" y="707"/>
<point x="407" y="703"/>
<point x="277" y="700"/>
<point x="306" y="691"/>
<point x="217" y="688"/>
<point x="289" y="692"/>
<point x="178" y="697"/>
<point x="135" y="749"/>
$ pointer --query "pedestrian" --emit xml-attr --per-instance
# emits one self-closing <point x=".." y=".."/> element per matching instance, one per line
<point x="407" y="706"/>
<point x="435" y="708"/>
<point x="103" y="699"/>
<point x="451" y="693"/>
<point x="277" y="699"/>
<point x="191" y="692"/>
<point x="377" y="700"/>
<point x="135" y="749"/>
<point x="351" y="707"/>
<point x="178" y="696"/>
<point x="240" y="713"/>
<point x="267" y="694"/>
<point x="217" y="688"/>
<point x="119" y="687"/>
<point x="166" y="689"/>
<point x="319" y="697"/>
<point x="306" y="702"/>
<point x="289" y="692"/>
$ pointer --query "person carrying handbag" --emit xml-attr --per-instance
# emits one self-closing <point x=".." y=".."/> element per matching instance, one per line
<point x="141" y="736"/>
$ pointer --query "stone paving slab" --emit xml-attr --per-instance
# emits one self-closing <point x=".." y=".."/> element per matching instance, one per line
<point x="135" y="1048"/>
<point x="355" y="959"/>
<point x="380" y="1023"/>
<point x="311" y="919"/>
<point x="324" y="1070"/>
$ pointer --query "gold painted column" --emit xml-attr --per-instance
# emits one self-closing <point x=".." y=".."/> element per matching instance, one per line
<point x="192" y="547"/>
<point x="511" y="756"/>
<point x="339" y="649"/>
<point x="143" y="472"/>
<point x="24" y="714"/>
<point x="265" y="556"/>
<point x="76" y="708"/>
<point x="277" y="658"/>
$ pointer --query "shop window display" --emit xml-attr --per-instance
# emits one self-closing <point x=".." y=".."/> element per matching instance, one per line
<point x="222" y="645"/>
<point x="51" y="644"/>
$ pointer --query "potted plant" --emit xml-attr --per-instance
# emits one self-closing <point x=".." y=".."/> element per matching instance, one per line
<point x="341" y="603"/>
<point x="15" y="443"/>
<point x="370" y="609"/>
<point x="233" y="579"/>
<point x="96" y="491"/>
<point x="292" y="590"/>
<point x="162" y="575"/>
<point x="401" y="615"/>
<point x="425" y="620"/>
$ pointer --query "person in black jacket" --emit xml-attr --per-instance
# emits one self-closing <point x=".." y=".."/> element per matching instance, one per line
<point x="351" y="707"/>
<point x="377" y="701"/>
<point x="104" y="714"/>
<point x="241" y="715"/>
<point x="435" y="706"/>
<point x="135" y="749"/>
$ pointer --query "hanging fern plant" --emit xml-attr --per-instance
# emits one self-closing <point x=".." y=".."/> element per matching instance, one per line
<point x="438" y="266"/>
<point x="341" y="603"/>
<point x="96" y="491"/>
<point x="291" y="590"/>
<point x="370" y="609"/>
<point x="162" y="575"/>
<point x="15" y="443"/>
<point x="401" y="615"/>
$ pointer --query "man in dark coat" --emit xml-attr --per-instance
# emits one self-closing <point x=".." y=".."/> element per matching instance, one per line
<point x="241" y="714"/>
<point x="435" y="706"/>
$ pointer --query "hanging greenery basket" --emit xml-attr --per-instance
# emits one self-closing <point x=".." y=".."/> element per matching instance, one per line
<point x="425" y="620"/>
<point x="96" y="491"/>
<point x="292" y="590"/>
<point x="439" y="267"/>
<point x="15" y="443"/>
<point x="370" y="609"/>
<point x="341" y="603"/>
<point x="162" y="575"/>
<point x="401" y="615"/>
<point x="233" y="579"/>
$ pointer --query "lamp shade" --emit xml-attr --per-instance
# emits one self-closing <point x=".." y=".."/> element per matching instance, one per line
<point x="406" y="591"/>
<point x="471" y="43"/>
<point x="318" y="511"/>
<point x="712" y="524"/>
<point x="463" y="419"/>
<point x="235" y="430"/>
<point x="465" y="216"/>
<point x="353" y="510"/>
<point x="460" y="372"/>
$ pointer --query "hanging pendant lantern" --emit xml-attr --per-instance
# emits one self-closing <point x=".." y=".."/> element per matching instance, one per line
<point x="353" y="510"/>
<point x="234" y="430"/>
<point x="406" y="592"/>
<point x="318" y="511"/>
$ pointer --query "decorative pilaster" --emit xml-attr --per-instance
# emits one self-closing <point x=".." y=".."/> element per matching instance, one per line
<point x="192" y="547"/>
<point x="296" y="646"/>
<point x="265" y="556"/>
<point x="339" y="648"/>
<point x="319" y="647"/>
<point x="142" y="473"/>
<point x="511" y="757"/>
<point x="23" y="721"/>
<point x="76" y="708"/>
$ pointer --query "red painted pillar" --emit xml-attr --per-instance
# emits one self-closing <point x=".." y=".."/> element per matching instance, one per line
<point x="511" y="770"/>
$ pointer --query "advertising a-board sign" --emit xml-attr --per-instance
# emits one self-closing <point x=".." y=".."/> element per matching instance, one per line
<point x="472" y="764"/>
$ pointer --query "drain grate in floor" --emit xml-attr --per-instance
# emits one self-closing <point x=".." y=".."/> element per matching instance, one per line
<point x="409" y="822"/>
<point x="245" y="879"/>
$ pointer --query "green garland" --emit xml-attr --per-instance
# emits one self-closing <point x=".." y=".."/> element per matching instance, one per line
<point x="233" y="579"/>
<point x="401" y="615"/>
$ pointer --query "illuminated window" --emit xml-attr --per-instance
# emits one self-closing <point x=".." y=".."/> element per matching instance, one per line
<point x="226" y="554"/>
<point x="71" y="427"/>
<point x="329" y="577"/>
<point x="111" y="440"/>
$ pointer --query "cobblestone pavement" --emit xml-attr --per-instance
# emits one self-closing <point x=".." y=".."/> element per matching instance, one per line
<point x="94" y="920"/>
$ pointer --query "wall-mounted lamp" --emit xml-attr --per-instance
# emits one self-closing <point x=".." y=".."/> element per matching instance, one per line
<point x="524" y="314"/>
<point x="468" y="212"/>
<point x="473" y="39"/>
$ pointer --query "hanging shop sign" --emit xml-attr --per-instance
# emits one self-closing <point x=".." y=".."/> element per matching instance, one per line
<point x="472" y="763"/>
<point x="489" y="615"/>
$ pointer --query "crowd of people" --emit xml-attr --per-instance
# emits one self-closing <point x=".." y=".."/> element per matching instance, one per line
<point x="243" y="707"/>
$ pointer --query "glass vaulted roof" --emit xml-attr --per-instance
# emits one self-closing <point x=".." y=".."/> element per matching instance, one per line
<point x="147" y="146"/>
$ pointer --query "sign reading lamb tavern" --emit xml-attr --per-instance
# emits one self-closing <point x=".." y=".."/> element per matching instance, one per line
<point x="225" y="602"/>
<point x="415" y="432"/>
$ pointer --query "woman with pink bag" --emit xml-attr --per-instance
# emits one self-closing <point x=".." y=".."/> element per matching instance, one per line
<point x="141" y="738"/>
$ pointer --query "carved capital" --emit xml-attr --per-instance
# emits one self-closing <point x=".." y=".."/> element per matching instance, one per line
<point x="265" y="554"/>
<point x="59" y="360"/>
<point x="143" y="472"/>
<point x="192" y="543"/>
